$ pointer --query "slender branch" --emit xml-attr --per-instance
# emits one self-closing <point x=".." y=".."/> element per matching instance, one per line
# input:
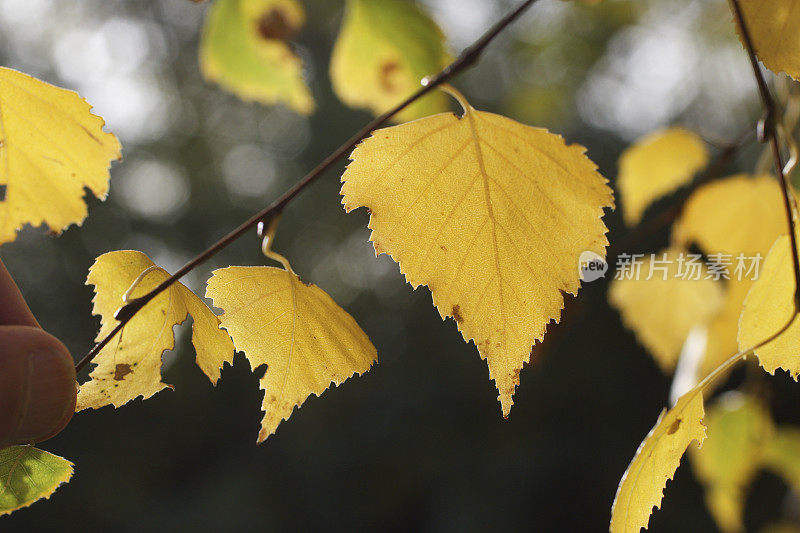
<point x="768" y="132"/>
<point x="468" y="57"/>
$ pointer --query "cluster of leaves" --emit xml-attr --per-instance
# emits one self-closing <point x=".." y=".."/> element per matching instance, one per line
<point x="490" y="214"/>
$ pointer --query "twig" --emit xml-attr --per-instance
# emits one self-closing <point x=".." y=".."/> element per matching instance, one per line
<point x="768" y="132"/>
<point x="467" y="58"/>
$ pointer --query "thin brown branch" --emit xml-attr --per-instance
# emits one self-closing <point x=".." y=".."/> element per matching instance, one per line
<point x="768" y="132"/>
<point x="467" y="58"/>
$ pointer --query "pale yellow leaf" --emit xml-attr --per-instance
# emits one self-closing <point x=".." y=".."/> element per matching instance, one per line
<point x="656" y="165"/>
<point x="297" y="330"/>
<point x="663" y="309"/>
<point x="492" y="215"/>
<point x="244" y="49"/>
<point x="130" y="365"/>
<point x="721" y="340"/>
<point x="51" y="148"/>
<point x="739" y="429"/>
<point x="28" y="474"/>
<point x="739" y="214"/>
<point x="642" y="486"/>
<point x="384" y="49"/>
<point x="782" y="455"/>
<point x="775" y="30"/>
<point x="768" y="307"/>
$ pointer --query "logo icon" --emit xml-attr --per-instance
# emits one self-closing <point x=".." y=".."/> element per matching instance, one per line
<point x="591" y="266"/>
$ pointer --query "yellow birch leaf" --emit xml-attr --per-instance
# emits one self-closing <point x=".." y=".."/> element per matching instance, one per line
<point x="739" y="429"/>
<point x="782" y="455"/>
<point x="768" y="307"/>
<point x="775" y="30"/>
<point x="130" y="365"/>
<point x="656" y="165"/>
<point x="51" y="148"/>
<point x="492" y="215"/>
<point x="244" y="49"/>
<point x="642" y="486"/>
<point x="384" y="49"/>
<point x="297" y="330"/>
<point x="722" y="330"/>
<point x="28" y="474"/>
<point x="663" y="309"/>
<point x="739" y="214"/>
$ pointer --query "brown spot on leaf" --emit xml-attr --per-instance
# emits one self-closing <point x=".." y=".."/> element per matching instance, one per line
<point x="457" y="314"/>
<point x="674" y="427"/>
<point x="121" y="371"/>
<point x="275" y="25"/>
<point x="387" y="75"/>
<point x="2" y="193"/>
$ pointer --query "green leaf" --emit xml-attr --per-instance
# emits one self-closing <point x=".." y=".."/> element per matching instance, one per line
<point x="384" y="49"/>
<point x="244" y="49"/>
<point x="28" y="474"/>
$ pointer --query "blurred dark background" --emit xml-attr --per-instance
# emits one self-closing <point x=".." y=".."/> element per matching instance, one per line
<point x="418" y="442"/>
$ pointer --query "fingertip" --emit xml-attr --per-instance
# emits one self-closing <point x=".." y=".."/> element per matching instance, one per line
<point x="38" y="389"/>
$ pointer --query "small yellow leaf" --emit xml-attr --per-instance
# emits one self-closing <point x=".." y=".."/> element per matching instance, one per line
<point x="782" y="455"/>
<point x="384" y="49"/>
<point x="244" y="49"/>
<point x="721" y="340"/>
<point x="656" y="165"/>
<point x="642" y="486"/>
<point x="297" y="330"/>
<point x="774" y="27"/>
<point x="51" y="148"/>
<point x="28" y="474"/>
<point x="490" y="214"/>
<point x="130" y="365"/>
<point x="768" y="307"/>
<point x="739" y="214"/>
<point x="739" y="429"/>
<point x="663" y="309"/>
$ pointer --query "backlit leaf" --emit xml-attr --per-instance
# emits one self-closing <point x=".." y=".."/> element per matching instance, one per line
<point x="384" y="49"/>
<point x="768" y="307"/>
<point x="51" y="148"/>
<point x="130" y="365"/>
<point x="739" y="429"/>
<point x="663" y="309"/>
<point x="782" y="455"/>
<point x="739" y="214"/>
<point x="724" y="327"/>
<point x="244" y="49"/>
<point x="490" y="214"/>
<point x="28" y="474"/>
<point x="656" y="165"/>
<point x="774" y="27"/>
<point x="642" y="486"/>
<point x="297" y="330"/>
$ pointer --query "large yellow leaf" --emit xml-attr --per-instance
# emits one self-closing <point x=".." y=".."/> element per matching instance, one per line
<point x="768" y="307"/>
<point x="244" y="49"/>
<point x="28" y="474"/>
<point x="297" y="330"/>
<point x="775" y="29"/>
<point x="656" y="165"/>
<point x="384" y="49"/>
<point x="655" y="462"/>
<point x="490" y="214"/>
<point x="51" y="148"/>
<point x="663" y="309"/>
<point x="130" y="365"/>
<point x="739" y="429"/>
<point x="739" y="214"/>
